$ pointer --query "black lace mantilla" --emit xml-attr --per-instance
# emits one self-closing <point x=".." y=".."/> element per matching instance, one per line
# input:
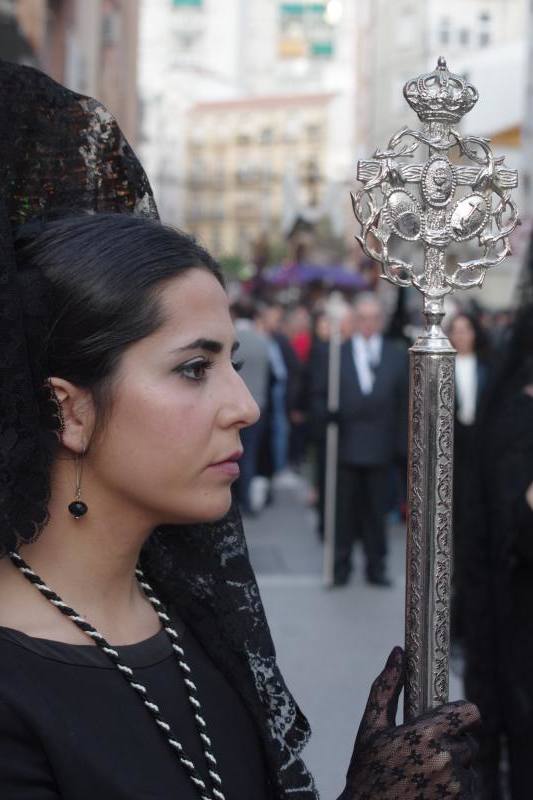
<point x="60" y="150"/>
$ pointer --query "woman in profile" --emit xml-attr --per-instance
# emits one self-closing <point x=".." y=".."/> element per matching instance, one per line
<point x="499" y="570"/>
<point x="471" y="375"/>
<point x="135" y="660"/>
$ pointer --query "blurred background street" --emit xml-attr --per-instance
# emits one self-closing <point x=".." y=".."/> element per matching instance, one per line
<point x="331" y="643"/>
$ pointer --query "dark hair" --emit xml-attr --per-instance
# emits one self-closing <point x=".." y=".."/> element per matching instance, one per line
<point x="243" y="308"/>
<point x="481" y="343"/>
<point x="100" y="275"/>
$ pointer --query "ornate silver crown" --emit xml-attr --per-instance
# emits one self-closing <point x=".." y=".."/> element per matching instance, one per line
<point x="440" y="95"/>
<point x="405" y="198"/>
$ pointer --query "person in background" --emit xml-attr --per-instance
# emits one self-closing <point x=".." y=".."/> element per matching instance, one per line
<point x="297" y="329"/>
<point x="281" y="359"/>
<point x="471" y="373"/>
<point x="255" y="356"/>
<point x="318" y="361"/>
<point x="372" y="432"/>
<point x="498" y="563"/>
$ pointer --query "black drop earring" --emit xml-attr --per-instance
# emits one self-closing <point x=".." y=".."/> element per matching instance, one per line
<point x="78" y="508"/>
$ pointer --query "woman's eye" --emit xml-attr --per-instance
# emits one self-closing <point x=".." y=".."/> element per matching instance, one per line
<point x="195" y="371"/>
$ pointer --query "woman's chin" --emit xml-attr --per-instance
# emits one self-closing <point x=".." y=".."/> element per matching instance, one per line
<point x="209" y="508"/>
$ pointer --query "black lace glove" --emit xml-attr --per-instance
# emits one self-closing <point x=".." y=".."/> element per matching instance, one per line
<point x="427" y="759"/>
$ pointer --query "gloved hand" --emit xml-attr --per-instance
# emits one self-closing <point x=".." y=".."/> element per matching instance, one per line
<point x="427" y="759"/>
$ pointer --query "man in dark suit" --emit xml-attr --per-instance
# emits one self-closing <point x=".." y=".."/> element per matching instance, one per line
<point x="372" y="422"/>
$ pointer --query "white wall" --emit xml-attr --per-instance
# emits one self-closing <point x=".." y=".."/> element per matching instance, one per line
<point x="185" y="55"/>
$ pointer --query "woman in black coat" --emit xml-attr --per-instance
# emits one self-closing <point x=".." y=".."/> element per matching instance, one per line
<point x="499" y="572"/>
<point x="471" y="374"/>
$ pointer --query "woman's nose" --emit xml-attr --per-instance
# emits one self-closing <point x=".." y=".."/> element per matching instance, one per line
<point x="240" y="409"/>
<point x="250" y="410"/>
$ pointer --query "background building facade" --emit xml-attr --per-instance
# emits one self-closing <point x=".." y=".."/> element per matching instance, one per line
<point x="91" y="47"/>
<point x="252" y="163"/>
<point x="254" y="51"/>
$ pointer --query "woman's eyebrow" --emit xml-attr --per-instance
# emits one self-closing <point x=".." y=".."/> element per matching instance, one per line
<point x="210" y="345"/>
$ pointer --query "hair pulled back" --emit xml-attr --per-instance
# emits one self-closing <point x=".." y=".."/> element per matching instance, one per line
<point x="100" y="277"/>
<point x="481" y="342"/>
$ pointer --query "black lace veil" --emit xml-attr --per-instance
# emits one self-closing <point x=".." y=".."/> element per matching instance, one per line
<point x="60" y="150"/>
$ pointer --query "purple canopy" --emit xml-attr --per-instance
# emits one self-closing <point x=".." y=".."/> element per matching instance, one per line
<point x="298" y="274"/>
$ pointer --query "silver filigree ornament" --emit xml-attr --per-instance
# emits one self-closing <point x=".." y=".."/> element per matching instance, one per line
<point x="456" y="202"/>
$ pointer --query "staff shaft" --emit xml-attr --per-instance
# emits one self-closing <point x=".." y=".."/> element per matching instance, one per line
<point x="430" y="487"/>
<point x="332" y="447"/>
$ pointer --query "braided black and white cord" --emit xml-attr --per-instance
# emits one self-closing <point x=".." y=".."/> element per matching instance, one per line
<point x="211" y="793"/>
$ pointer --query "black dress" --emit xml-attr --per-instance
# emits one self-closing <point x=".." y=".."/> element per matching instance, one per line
<point x="72" y="728"/>
<point x="58" y="151"/>
<point x="499" y="595"/>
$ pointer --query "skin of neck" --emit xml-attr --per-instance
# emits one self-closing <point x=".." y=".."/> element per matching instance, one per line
<point x="90" y="562"/>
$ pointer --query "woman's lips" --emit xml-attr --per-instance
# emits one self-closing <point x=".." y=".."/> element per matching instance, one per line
<point x="229" y="466"/>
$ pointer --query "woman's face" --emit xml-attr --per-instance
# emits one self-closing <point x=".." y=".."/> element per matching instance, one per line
<point x="463" y="335"/>
<point x="178" y="407"/>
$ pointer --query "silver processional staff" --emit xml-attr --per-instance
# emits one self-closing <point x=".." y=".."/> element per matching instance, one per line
<point x="460" y="193"/>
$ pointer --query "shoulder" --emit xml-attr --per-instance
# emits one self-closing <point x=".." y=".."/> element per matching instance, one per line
<point x="347" y="346"/>
<point x="395" y="352"/>
<point x="18" y="680"/>
<point x="14" y="658"/>
<point x="23" y="759"/>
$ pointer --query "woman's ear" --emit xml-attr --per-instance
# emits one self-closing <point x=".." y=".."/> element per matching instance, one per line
<point x="77" y="414"/>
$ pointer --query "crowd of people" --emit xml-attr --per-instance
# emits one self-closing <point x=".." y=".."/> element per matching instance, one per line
<point x="285" y="353"/>
<point x="493" y="477"/>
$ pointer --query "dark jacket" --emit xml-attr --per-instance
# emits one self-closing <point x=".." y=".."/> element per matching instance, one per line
<point x="499" y="579"/>
<point x="372" y="427"/>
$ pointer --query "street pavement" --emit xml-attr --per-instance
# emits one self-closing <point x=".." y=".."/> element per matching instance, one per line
<point x="331" y="643"/>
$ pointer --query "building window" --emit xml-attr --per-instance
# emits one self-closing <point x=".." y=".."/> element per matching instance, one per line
<point x="314" y="132"/>
<point x="484" y="33"/>
<point x="444" y="32"/>
<point x="186" y="40"/>
<point x="307" y="29"/>
<point x="110" y="28"/>
<point x="216" y="240"/>
<point x="266" y="136"/>
<point x="464" y="36"/>
<point x="321" y="49"/>
<point x="293" y="129"/>
<point x="8" y="7"/>
<point x="405" y="27"/>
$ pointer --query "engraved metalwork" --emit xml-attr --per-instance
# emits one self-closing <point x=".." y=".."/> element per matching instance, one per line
<point x="438" y="182"/>
<point x="468" y="217"/>
<point x="459" y="194"/>
<point x="404" y="214"/>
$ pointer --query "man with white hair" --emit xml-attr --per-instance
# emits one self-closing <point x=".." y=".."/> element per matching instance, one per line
<point x="372" y="433"/>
